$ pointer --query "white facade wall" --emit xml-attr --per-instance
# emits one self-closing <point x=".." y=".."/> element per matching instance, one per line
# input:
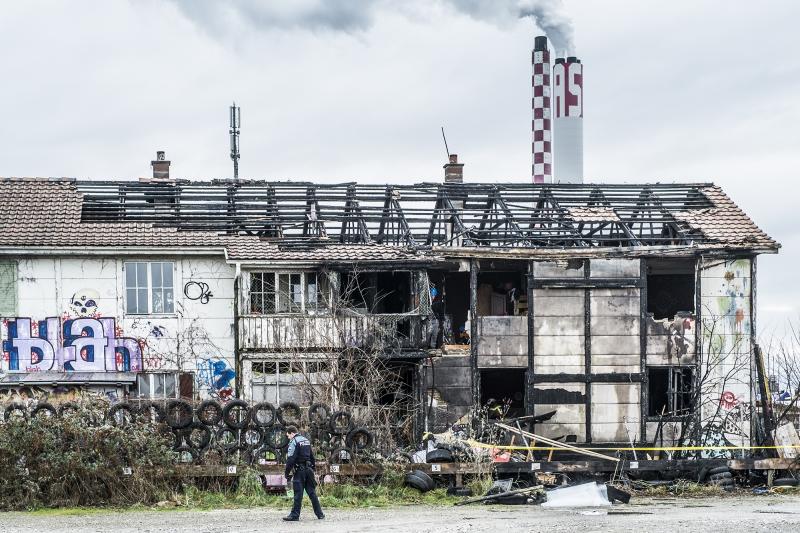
<point x="196" y="337"/>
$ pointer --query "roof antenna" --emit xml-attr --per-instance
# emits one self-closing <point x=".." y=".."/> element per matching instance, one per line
<point x="446" y="149"/>
<point x="236" y="123"/>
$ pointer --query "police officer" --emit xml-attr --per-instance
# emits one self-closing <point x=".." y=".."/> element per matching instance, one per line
<point x="300" y="472"/>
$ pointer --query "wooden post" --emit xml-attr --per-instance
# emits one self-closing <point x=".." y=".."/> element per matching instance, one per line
<point x="530" y="401"/>
<point x="473" y="334"/>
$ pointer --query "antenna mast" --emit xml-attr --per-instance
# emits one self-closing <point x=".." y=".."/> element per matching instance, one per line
<point x="446" y="149"/>
<point x="236" y="124"/>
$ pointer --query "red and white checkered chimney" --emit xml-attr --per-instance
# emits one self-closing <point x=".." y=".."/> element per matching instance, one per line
<point x="542" y="136"/>
<point x="568" y="120"/>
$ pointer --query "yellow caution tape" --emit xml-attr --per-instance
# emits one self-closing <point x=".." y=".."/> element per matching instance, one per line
<point x="477" y="444"/>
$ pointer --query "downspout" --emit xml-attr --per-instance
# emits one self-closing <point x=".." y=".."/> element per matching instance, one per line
<point x="236" y="354"/>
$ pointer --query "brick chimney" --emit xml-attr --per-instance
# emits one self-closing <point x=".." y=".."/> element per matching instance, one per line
<point x="454" y="171"/>
<point x="160" y="166"/>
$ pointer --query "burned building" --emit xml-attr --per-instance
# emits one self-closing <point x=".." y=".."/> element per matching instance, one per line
<point x="626" y="311"/>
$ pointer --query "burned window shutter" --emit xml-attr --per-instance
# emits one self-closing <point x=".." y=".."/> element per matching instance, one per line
<point x="186" y="385"/>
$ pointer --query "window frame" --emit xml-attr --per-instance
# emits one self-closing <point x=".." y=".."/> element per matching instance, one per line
<point x="274" y="373"/>
<point x="286" y="291"/>
<point x="150" y="287"/>
<point x="675" y="378"/>
<point x="151" y="384"/>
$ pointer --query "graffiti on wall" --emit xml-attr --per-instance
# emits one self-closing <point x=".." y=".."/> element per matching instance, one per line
<point x="69" y="345"/>
<point x="84" y="303"/>
<point x="197" y="291"/>
<point x="217" y="377"/>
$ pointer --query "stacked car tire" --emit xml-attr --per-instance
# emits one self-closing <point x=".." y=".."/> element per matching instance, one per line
<point x="233" y="432"/>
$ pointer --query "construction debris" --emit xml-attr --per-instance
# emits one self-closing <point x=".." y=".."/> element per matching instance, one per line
<point x="555" y="443"/>
<point x="501" y="495"/>
<point x="585" y="495"/>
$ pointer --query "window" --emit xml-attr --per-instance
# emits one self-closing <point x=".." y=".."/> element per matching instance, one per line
<point x="286" y="381"/>
<point x="157" y="385"/>
<point x="149" y="288"/>
<point x="262" y="292"/>
<point x="669" y="391"/>
<point x="8" y="289"/>
<point x="287" y="292"/>
<point x="670" y="287"/>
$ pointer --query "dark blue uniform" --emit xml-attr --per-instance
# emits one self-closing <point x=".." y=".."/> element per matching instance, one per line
<point x="300" y="462"/>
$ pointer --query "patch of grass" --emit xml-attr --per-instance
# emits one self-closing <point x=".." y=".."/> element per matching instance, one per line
<point x="389" y="492"/>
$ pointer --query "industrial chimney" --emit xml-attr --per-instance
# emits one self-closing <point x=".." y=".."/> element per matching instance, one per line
<point x="542" y="137"/>
<point x="568" y="121"/>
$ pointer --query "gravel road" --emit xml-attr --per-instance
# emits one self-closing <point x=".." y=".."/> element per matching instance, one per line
<point x="775" y="514"/>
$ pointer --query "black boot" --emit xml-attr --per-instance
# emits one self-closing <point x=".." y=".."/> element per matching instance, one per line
<point x="291" y="518"/>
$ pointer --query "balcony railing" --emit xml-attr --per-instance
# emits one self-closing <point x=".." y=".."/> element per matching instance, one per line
<point x="386" y="333"/>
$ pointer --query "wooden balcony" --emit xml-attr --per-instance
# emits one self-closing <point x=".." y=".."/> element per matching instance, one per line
<point x="289" y="333"/>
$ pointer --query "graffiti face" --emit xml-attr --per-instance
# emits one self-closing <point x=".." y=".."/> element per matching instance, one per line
<point x="728" y="400"/>
<point x="77" y="345"/>
<point x="84" y="302"/>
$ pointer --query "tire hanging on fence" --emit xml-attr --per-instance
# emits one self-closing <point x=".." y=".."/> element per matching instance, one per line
<point x="18" y="408"/>
<point x="341" y="455"/>
<point x="68" y="409"/>
<point x="340" y="422"/>
<point x="209" y="412"/>
<point x="276" y="438"/>
<point x="178" y="414"/>
<point x="122" y="408"/>
<point x="290" y="414"/>
<point x="42" y="408"/>
<point x="186" y="455"/>
<point x="151" y="412"/>
<point x="197" y="436"/>
<point x="228" y="439"/>
<point x="236" y="414"/>
<point x="359" y="439"/>
<point x="263" y="414"/>
<point x="319" y="414"/>
<point x="252" y="437"/>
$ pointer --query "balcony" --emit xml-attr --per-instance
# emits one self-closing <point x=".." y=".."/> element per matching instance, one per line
<point x="389" y="333"/>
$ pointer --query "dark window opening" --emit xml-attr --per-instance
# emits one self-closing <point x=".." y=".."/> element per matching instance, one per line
<point x="450" y="308"/>
<point x="503" y="392"/>
<point x="502" y="294"/>
<point x="669" y="391"/>
<point x="377" y="292"/>
<point x="670" y="287"/>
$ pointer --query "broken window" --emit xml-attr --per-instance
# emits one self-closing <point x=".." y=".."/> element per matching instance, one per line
<point x="670" y="287"/>
<point x="502" y="293"/>
<point x="293" y="292"/>
<point x="669" y="390"/>
<point x="503" y="391"/>
<point x="377" y="292"/>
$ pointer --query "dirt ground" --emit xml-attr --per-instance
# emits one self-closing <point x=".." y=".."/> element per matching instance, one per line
<point x="736" y="513"/>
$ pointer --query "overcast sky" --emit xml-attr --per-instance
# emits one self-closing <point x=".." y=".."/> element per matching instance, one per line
<point x="684" y="90"/>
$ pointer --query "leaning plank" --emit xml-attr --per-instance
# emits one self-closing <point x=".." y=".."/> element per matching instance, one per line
<point x="555" y="443"/>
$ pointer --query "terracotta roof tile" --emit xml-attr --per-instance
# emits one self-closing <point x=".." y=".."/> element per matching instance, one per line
<point x="47" y="213"/>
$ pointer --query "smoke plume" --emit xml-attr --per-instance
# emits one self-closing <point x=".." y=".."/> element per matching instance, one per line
<point x="227" y="18"/>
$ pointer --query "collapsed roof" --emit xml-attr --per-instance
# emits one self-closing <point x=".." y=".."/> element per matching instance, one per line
<point x="350" y="221"/>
